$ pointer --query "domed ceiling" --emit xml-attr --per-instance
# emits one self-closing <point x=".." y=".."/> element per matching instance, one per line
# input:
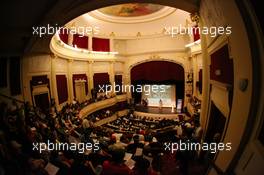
<point x="128" y="21"/>
<point x="131" y="9"/>
<point x="132" y="13"/>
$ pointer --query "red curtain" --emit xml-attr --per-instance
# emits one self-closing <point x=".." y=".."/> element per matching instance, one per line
<point x="196" y="33"/>
<point x="62" y="88"/>
<point x="101" y="79"/>
<point x="100" y="44"/>
<point x="157" y="71"/>
<point x="78" y="77"/>
<point x="63" y="34"/>
<point x="220" y="61"/>
<point x="80" y="41"/>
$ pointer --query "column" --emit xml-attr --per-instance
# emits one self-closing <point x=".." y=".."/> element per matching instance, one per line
<point x="69" y="82"/>
<point x="90" y="77"/>
<point x="187" y="86"/>
<point x="111" y="44"/>
<point x="70" y="38"/>
<point x="206" y="81"/>
<point x="53" y="81"/>
<point x="112" y="73"/>
<point x="90" y="42"/>
<point x="195" y="74"/>
<point x="127" y="81"/>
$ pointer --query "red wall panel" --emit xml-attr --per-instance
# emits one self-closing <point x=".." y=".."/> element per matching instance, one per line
<point x="220" y="61"/>
<point x="80" y="41"/>
<point x="63" y="34"/>
<point x="62" y="88"/>
<point x="100" y="44"/>
<point x="101" y="79"/>
<point x="196" y="33"/>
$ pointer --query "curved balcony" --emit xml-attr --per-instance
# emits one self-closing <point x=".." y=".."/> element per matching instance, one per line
<point x="112" y="118"/>
<point x="101" y="105"/>
<point x="63" y="50"/>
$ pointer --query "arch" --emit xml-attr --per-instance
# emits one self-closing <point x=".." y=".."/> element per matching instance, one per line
<point x="156" y="59"/>
<point x="157" y="71"/>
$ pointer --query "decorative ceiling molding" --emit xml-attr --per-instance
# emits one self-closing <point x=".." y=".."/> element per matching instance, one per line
<point x="165" y="11"/>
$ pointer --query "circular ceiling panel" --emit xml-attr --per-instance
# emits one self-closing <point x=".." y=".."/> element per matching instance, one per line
<point x="131" y="9"/>
<point x="132" y="13"/>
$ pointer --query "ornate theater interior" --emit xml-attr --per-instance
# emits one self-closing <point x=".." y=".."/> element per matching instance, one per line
<point x="132" y="88"/>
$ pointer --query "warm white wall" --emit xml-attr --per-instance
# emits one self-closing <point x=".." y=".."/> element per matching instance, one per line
<point x="61" y="66"/>
<point x="34" y="65"/>
<point x="119" y="68"/>
<point x="223" y="13"/>
<point x="79" y="67"/>
<point x="120" y="45"/>
<point x="157" y="44"/>
<point x="99" y="67"/>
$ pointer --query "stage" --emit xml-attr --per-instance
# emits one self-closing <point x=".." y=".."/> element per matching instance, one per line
<point x="154" y="110"/>
<point x="156" y="113"/>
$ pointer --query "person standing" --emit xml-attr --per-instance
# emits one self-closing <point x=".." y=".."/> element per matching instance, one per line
<point x="160" y="104"/>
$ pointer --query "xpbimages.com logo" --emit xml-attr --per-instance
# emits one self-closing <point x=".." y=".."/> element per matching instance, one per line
<point x="147" y="89"/>
<point x="53" y="29"/>
<point x="194" y="146"/>
<point x="212" y="31"/>
<point x="79" y="147"/>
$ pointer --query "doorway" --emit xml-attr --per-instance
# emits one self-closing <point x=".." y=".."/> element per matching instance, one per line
<point x="216" y="123"/>
<point x="42" y="101"/>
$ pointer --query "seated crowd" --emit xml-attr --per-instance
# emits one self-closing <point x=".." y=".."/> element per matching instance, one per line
<point x="138" y="152"/>
<point x="133" y="123"/>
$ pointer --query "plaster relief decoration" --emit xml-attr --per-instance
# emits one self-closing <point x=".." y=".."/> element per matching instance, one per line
<point x="154" y="56"/>
<point x="131" y="9"/>
<point x="132" y="13"/>
<point x="212" y="13"/>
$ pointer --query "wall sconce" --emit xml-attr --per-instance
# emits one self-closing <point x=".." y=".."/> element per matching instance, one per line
<point x="195" y="17"/>
<point x="218" y="72"/>
<point x="243" y="84"/>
